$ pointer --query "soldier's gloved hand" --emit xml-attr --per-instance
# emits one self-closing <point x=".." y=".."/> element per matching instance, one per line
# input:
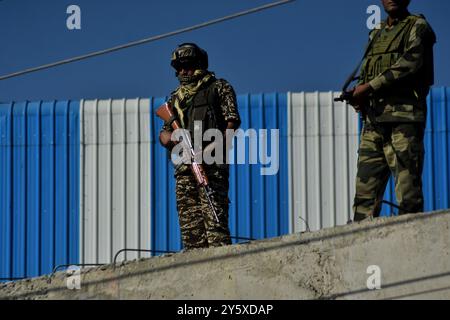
<point x="352" y="101"/>
<point x="360" y="96"/>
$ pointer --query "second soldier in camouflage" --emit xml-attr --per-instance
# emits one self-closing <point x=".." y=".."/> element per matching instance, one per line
<point x="396" y="76"/>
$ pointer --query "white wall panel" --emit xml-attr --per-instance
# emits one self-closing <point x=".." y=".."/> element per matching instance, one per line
<point x="323" y="143"/>
<point x="115" y="210"/>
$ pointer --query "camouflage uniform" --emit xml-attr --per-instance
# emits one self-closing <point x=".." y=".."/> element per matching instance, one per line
<point x="199" y="227"/>
<point x="399" y="68"/>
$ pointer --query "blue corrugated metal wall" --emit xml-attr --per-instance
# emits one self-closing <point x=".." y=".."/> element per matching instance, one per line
<point x="40" y="174"/>
<point x="259" y="204"/>
<point x="165" y="234"/>
<point x="436" y="173"/>
<point x="39" y="187"/>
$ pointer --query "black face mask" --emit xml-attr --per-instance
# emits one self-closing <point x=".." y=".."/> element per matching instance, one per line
<point x="187" y="65"/>
<point x="189" y="79"/>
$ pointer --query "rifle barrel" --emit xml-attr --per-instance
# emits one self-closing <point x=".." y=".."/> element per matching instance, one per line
<point x="211" y="205"/>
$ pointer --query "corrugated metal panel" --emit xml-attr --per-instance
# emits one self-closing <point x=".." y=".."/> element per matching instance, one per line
<point x="116" y="179"/>
<point x="39" y="187"/>
<point x="323" y="153"/>
<point x="258" y="203"/>
<point x="19" y="209"/>
<point x="439" y="124"/>
<point x="127" y="184"/>
<point x="74" y="182"/>
<point x="165" y="234"/>
<point x="323" y="162"/>
<point x="6" y="191"/>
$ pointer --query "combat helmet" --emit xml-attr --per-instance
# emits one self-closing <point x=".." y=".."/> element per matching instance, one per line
<point x="189" y="53"/>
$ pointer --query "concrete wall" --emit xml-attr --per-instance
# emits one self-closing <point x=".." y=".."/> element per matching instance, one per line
<point x="412" y="253"/>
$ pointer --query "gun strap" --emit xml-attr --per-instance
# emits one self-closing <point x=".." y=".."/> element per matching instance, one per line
<point x="352" y="76"/>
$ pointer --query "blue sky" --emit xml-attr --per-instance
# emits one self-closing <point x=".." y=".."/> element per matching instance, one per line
<point x="307" y="45"/>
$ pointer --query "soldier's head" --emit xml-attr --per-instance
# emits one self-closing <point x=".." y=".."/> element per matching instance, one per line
<point x="394" y="7"/>
<point x="188" y="58"/>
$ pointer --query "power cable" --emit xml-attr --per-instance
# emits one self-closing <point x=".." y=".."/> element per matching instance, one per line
<point x="146" y="40"/>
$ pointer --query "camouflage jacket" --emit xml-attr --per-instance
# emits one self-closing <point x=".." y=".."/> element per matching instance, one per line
<point x="228" y="105"/>
<point x="228" y="102"/>
<point x="399" y="68"/>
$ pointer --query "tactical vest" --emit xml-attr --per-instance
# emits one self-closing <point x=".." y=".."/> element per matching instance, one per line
<point x="205" y="107"/>
<point x="406" y="99"/>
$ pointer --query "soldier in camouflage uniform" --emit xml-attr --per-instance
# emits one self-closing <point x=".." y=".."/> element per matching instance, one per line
<point x="201" y="97"/>
<point x="396" y="76"/>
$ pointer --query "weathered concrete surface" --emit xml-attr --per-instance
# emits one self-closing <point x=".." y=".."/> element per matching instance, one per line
<point x="411" y="251"/>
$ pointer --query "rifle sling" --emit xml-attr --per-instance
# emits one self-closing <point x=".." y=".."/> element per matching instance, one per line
<point x="352" y="77"/>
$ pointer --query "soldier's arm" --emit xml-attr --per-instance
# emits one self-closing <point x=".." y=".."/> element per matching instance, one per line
<point x="410" y="62"/>
<point x="228" y="104"/>
<point x="165" y="135"/>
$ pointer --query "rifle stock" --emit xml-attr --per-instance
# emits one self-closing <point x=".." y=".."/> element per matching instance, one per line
<point x="165" y="113"/>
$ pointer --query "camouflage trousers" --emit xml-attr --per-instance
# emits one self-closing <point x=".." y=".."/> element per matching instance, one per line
<point x="199" y="228"/>
<point x="386" y="148"/>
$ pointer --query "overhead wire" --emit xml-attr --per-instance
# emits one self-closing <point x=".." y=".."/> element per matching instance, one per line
<point x="146" y="40"/>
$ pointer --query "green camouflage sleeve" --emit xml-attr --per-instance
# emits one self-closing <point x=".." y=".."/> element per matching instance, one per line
<point x="228" y="102"/>
<point x="410" y="62"/>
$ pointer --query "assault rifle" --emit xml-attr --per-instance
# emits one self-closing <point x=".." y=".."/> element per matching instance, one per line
<point x="165" y="112"/>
